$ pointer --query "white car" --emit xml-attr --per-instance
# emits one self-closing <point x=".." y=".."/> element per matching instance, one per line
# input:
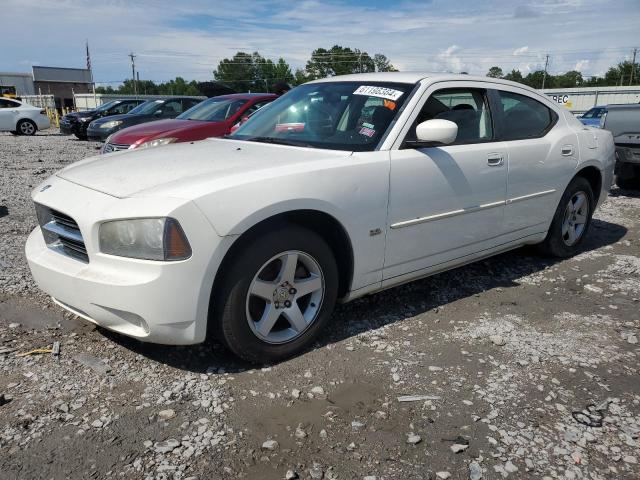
<point x="21" y="118"/>
<point x="341" y="188"/>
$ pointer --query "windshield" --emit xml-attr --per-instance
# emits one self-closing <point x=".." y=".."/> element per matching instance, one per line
<point x="107" y="106"/>
<point x="337" y="115"/>
<point x="214" y="110"/>
<point x="147" y="107"/>
<point x="594" y="113"/>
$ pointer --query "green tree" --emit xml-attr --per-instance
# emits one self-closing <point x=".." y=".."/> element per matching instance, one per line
<point x="338" y="61"/>
<point x="534" y="80"/>
<point x="514" y="76"/>
<point x="383" y="64"/>
<point x="495" y="72"/>
<point x="569" y="79"/>
<point x="238" y="72"/>
<point x="252" y="72"/>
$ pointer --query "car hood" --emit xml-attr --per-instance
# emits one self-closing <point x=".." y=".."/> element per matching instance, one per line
<point x="121" y="116"/>
<point x="179" y="170"/>
<point x="195" y="130"/>
<point x="83" y="114"/>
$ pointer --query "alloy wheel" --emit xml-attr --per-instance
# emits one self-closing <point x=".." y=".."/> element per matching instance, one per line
<point x="284" y="297"/>
<point x="575" y="218"/>
<point x="27" y="128"/>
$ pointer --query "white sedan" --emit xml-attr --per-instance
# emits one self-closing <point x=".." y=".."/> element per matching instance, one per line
<point x="21" y="118"/>
<point x="341" y="188"/>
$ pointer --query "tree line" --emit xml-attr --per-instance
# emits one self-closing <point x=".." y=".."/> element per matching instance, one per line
<point x="252" y="72"/>
<point x="625" y="73"/>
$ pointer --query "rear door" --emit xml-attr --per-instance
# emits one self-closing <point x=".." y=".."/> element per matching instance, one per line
<point x="543" y="154"/>
<point x="8" y="113"/>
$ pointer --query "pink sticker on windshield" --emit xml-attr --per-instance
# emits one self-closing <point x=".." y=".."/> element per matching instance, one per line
<point x="369" y="132"/>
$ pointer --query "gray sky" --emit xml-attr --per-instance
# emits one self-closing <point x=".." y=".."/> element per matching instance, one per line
<point x="188" y="38"/>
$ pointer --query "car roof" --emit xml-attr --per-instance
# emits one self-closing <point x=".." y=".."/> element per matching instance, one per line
<point x="415" y="77"/>
<point x="245" y="96"/>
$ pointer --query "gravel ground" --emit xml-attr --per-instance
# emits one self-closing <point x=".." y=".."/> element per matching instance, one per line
<point x="515" y="367"/>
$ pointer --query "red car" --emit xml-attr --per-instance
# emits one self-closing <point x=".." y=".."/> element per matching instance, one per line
<point x="212" y="118"/>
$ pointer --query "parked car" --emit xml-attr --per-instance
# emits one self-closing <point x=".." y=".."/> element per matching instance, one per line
<point x="623" y="121"/>
<point x="21" y="118"/>
<point x="338" y="189"/>
<point x="591" y="117"/>
<point x="165" y="108"/>
<point x="212" y="118"/>
<point x="76" y="123"/>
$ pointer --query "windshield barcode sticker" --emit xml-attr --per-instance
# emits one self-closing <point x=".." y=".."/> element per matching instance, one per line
<point x="381" y="92"/>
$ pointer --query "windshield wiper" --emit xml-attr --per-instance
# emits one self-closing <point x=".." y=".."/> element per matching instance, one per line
<point x="278" y="141"/>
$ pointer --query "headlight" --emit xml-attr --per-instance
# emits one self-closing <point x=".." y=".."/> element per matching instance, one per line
<point x="157" y="142"/>
<point x="85" y="119"/>
<point x="145" y="238"/>
<point x="111" y="124"/>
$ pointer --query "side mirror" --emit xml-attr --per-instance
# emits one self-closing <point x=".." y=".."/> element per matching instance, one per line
<point x="437" y="131"/>
<point x="157" y="113"/>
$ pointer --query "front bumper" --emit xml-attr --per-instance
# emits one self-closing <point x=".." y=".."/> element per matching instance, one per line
<point x="159" y="302"/>
<point x="101" y="134"/>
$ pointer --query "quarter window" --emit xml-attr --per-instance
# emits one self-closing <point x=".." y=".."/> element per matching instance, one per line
<point x="8" y="104"/>
<point x="467" y="108"/>
<point x="524" y="117"/>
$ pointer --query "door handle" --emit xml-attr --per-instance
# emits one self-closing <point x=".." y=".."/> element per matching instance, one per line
<point x="567" y="150"/>
<point x="495" y="159"/>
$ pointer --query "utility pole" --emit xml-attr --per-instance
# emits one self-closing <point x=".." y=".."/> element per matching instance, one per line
<point x="133" y="73"/>
<point x="544" y="75"/>
<point x="633" y="66"/>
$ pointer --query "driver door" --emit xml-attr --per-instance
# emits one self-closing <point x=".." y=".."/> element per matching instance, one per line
<point x="445" y="202"/>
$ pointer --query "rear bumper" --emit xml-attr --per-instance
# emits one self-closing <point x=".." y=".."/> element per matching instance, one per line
<point x="42" y="121"/>
<point x="628" y="154"/>
<point x="159" y="302"/>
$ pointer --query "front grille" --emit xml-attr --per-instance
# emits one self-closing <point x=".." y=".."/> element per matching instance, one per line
<point x="114" y="147"/>
<point x="61" y="233"/>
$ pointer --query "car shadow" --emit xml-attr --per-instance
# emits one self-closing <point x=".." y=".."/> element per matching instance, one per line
<point x="373" y="311"/>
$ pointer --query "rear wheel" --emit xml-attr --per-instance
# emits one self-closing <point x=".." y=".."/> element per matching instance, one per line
<point x="27" y="127"/>
<point x="277" y="295"/>
<point x="571" y="220"/>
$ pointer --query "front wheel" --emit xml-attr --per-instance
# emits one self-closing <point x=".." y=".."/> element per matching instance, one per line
<point x="277" y="295"/>
<point x="27" y="127"/>
<point x="571" y="220"/>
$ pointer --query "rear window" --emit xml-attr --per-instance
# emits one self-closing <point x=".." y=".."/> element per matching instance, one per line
<point x="524" y="117"/>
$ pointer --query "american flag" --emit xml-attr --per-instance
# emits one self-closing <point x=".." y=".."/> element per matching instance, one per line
<point x="88" y="57"/>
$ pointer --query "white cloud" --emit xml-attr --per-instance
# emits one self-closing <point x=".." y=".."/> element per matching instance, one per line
<point x="189" y="38"/>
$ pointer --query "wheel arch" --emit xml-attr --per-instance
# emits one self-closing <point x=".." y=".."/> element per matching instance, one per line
<point x="593" y="175"/>
<point x="320" y="222"/>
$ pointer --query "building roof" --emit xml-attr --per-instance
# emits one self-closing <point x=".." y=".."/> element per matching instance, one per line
<point x="58" y="74"/>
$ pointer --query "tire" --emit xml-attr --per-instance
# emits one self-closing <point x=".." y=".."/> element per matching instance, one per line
<point x="80" y="137"/>
<point x="236" y="308"/>
<point x="559" y="241"/>
<point x="26" y="127"/>
<point x="628" y="182"/>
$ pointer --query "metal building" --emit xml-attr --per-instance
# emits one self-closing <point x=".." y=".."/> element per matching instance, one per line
<point x="62" y="83"/>
<point x="22" y="81"/>
<point x="581" y="99"/>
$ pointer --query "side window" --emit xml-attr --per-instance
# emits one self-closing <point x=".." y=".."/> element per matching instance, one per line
<point x="174" y="107"/>
<point x="122" y="107"/>
<point x="187" y="103"/>
<point x="255" y="107"/>
<point x="6" y="104"/>
<point x="524" y="117"/>
<point x="466" y="107"/>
